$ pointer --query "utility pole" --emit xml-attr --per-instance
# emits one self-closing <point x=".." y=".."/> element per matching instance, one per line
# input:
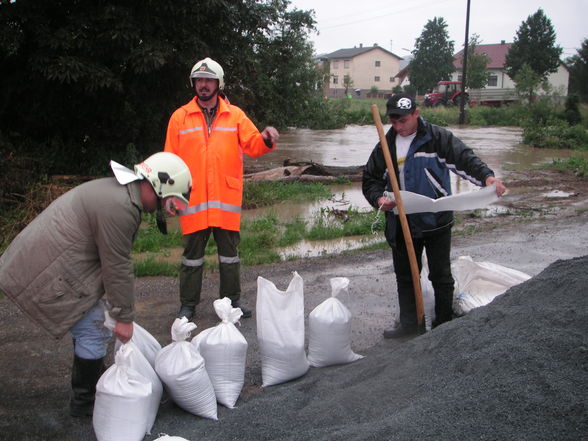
<point x="465" y="67"/>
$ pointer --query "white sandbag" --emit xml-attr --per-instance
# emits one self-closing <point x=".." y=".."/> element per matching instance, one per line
<point x="280" y="331"/>
<point x="478" y="283"/>
<point x="329" y="327"/>
<point x="181" y="368"/>
<point x="144" y="341"/>
<point x="166" y="437"/>
<point x="224" y="350"/>
<point x="428" y="294"/>
<point x="137" y="361"/>
<point x="123" y="399"/>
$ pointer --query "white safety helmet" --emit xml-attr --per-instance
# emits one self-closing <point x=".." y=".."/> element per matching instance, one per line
<point x="168" y="174"/>
<point x="208" y="68"/>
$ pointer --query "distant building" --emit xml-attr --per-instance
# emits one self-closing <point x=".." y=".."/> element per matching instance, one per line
<point x="498" y="77"/>
<point x="360" y="70"/>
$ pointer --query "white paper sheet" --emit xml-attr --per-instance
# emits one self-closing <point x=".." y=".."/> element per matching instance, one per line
<point x="416" y="203"/>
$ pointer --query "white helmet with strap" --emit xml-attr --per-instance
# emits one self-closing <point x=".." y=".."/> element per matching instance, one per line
<point x="168" y="174"/>
<point x="208" y="68"/>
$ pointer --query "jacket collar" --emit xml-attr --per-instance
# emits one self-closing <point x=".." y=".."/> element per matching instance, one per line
<point x="193" y="107"/>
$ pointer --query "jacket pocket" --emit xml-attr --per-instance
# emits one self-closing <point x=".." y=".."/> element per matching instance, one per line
<point x="234" y="183"/>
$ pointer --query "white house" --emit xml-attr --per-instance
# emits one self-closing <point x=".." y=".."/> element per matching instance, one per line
<point x="369" y="68"/>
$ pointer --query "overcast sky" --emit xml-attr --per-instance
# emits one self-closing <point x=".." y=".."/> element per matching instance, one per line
<point x="395" y="25"/>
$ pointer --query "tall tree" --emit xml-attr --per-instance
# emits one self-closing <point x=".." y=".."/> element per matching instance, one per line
<point x="534" y="45"/>
<point x="432" y="56"/>
<point x="578" y="65"/>
<point x="476" y="75"/>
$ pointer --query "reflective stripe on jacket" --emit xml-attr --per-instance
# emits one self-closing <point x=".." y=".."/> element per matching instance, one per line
<point x="215" y="160"/>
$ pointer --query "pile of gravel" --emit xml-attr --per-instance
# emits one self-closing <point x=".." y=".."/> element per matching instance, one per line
<point x="513" y="370"/>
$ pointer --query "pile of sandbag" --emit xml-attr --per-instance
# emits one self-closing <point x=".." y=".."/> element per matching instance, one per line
<point x="281" y="333"/>
<point x="210" y="368"/>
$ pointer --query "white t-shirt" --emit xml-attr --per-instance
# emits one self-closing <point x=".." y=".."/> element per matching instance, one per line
<point x="402" y="146"/>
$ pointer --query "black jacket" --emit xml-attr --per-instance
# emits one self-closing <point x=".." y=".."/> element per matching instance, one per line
<point x="433" y="153"/>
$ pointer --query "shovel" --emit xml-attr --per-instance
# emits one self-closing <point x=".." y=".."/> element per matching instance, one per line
<point x="414" y="267"/>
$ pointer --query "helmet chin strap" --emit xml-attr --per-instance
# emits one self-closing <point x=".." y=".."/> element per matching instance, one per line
<point x="160" y="218"/>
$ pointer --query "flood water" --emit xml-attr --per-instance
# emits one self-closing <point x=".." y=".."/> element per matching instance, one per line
<point x="499" y="147"/>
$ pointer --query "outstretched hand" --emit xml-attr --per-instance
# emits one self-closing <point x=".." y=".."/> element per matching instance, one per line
<point x="500" y="188"/>
<point x="270" y="134"/>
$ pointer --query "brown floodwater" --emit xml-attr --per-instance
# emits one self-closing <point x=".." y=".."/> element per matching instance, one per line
<point x="499" y="147"/>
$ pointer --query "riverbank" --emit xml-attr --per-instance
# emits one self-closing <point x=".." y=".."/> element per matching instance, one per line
<point x="512" y="370"/>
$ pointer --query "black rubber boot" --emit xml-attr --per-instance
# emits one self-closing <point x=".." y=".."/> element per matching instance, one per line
<point x="84" y="376"/>
<point x="246" y="311"/>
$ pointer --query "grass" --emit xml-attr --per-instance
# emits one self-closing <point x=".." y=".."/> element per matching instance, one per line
<point x="261" y="238"/>
<point x="579" y="166"/>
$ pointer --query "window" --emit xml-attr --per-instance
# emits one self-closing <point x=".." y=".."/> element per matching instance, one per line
<point x="493" y="80"/>
<point x="377" y="63"/>
<point x="345" y="64"/>
<point x="335" y="64"/>
<point x="335" y="79"/>
<point x="377" y="79"/>
<point x="391" y="79"/>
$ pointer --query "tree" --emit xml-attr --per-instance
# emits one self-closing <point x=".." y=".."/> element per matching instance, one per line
<point x="527" y="82"/>
<point x="578" y="66"/>
<point x="347" y="83"/>
<point x="432" y="57"/>
<point x="86" y="81"/>
<point x="534" y="45"/>
<point x="476" y="76"/>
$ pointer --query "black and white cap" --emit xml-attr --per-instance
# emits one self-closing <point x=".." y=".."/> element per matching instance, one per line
<point x="400" y="104"/>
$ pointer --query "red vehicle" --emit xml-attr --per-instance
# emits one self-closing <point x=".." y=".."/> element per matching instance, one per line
<point x="446" y="93"/>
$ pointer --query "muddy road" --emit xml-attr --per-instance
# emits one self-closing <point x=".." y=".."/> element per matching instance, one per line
<point x="537" y="228"/>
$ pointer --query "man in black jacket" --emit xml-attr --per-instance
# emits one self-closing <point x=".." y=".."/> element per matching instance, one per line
<point x="422" y="155"/>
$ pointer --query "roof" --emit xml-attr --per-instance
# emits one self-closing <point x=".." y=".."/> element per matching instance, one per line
<point x="355" y="51"/>
<point x="496" y="55"/>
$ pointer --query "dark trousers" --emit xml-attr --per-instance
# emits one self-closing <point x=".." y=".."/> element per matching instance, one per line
<point x="438" y="249"/>
<point x="192" y="268"/>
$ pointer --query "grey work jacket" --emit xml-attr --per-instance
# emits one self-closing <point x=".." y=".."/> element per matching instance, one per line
<point x="75" y="252"/>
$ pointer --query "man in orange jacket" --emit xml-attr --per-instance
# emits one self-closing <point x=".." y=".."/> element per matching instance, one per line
<point x="211" y="135"/>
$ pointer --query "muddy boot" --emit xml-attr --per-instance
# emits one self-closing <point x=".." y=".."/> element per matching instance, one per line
<point x="84" y="376"/>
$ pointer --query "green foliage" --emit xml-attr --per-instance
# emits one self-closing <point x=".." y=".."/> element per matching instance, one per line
<point x="579" y="166"/>
<point x="578" y="66"/>
<point x="476" y="75"/>
<point x="153" y="266"/>
<point x="150" y="239"/>
<point x="433" y="56"/>
<point x="263" y="193"/>
<point x="527" y="82"/>
<point x="83" y="80"/>
<point x="534" y="46"/>
<point x="556" y="135"/>
<point x="572" y="111"/>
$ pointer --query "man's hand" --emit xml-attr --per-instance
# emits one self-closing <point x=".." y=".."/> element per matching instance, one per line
<point x="386" y="204"/>
<point x="270" y="134"/>
<point x="500" y="188"/>
<point x="123" y="331"/>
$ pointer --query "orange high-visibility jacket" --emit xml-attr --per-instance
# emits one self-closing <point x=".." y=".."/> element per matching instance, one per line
<point x="215" y="161"/>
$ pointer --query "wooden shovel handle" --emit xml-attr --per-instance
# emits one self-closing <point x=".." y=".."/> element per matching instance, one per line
<point x="414" y="267"/>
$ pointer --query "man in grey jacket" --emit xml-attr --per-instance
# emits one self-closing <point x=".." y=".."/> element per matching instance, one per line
<point x="73" y="261"/>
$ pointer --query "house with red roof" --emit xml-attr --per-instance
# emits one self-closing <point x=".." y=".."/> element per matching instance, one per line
<point x="498" y="79"/>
